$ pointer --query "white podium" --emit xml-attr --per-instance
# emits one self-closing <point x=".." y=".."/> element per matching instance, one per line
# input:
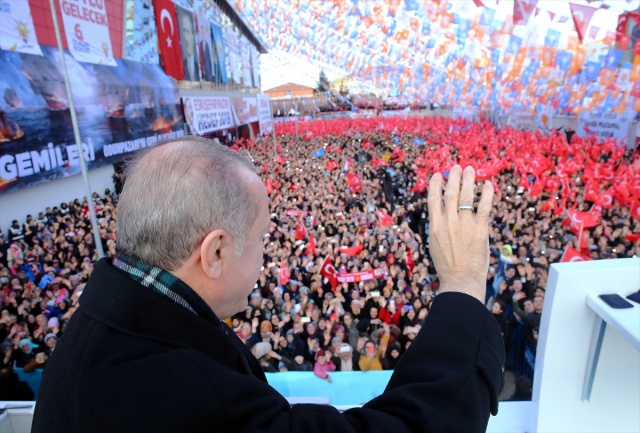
<point x="587" y="373"/>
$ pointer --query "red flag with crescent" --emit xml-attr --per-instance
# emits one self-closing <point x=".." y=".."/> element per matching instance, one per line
<point x="311" y="247"/>
<point x="328" y="271"/>
<point x="351" y="251"/>
<point x="301" y="231"/>
<point x="573" y="255"/>
<point x="169" y="38"/>
<point x="582" y="15"/>
<point x="284" y="276"/>
<point x="384" y="219"/>
<point x="420" y="186"/>
<point x="354" y="182"/>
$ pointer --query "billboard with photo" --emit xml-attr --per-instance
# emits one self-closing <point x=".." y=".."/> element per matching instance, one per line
<point x="207" y="114"/>
<point x="119" y="109"/>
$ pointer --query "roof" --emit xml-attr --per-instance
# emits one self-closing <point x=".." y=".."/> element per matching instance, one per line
<point x="289" y="87"/>
<point x="230" y="10"/>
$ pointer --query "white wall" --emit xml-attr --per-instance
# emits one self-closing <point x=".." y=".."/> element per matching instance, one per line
<point x="563" y="347"/>
<point x="18" y="204"/>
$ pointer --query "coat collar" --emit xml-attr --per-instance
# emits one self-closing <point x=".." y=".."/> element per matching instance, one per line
<point x="111" y="297"/>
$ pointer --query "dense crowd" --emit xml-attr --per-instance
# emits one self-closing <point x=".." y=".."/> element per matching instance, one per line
<point x="347" y="278"/>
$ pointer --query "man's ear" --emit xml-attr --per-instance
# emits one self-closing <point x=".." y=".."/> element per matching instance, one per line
<point x="211" y="252"/>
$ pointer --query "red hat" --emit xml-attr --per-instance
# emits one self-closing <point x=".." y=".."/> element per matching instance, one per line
<point x="320" y="353"/>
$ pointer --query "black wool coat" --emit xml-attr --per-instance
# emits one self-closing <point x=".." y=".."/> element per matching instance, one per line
<point x="131" y="360"/>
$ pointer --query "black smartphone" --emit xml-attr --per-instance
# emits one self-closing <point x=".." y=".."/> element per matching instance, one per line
<point x="635" y="297"/>
<point x="616" y="301"/>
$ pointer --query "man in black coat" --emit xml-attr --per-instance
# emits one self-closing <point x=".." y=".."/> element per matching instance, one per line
<point x="147" y="350"/>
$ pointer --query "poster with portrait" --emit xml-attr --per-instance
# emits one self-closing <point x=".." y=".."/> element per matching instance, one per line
<point x="221" y="60"/>
<point x="87" y="30"/>
<point x="206" y="50"/>
<point x="187" y="28"/>
<point x="17" y="32"/>
<point x="119" y="110"/>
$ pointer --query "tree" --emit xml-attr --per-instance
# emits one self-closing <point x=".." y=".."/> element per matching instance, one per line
<point x="344" y="91"/>
<point x="323" y="83"/>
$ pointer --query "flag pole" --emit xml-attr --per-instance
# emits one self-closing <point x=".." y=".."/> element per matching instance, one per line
<point x="580" y="236"/>
<point x="76" y="134"/>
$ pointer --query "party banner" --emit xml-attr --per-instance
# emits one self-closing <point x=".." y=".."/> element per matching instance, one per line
<point x="141" y="36"/>
<point x="246" y="110"/>
<point x="221" y="61"/>
<point x="119" y="110"/>
<point x="356" y="277"/>
<point x="604" y="126"/>
<point x="521" y="121"/>
<point x="247" y="79"/>
<point x="296" y="212"/>
<point x="233" y="46"/>
<point x="205" y="115"/>
<point x="87" y="31"/>
<point x="264" y="113"/>
<point x="16" y="29"/>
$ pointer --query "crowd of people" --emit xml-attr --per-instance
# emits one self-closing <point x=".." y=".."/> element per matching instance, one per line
<point x="347" y="279"/>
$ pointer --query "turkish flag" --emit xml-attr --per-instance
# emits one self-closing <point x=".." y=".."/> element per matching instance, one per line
<point x="573" y="255"/>
<point x="606" y="198"/>
<point x="328" y="271"/>
<point x="408" y="260"/>
<point x="169" y="38"/>
<point x="284" y="276"/>
<point x="623" y="42"/>
<point x="588" y="219"/>
<point x="378" y="162"/>
<point x="354" y="182"/>
<point x="632" y="237"/>
<point x="331" y="165"/>
<point x="581" y="15"/>
<point x="311" y="247"/>
<point x="384" y="219"/>
<point x="549" y="205"/>
<point x="352" y="251"/>
<point x="522" y="10"/>
<point x="301" y="231"/>
<point x="398" y="154"/>
<point x="622" y="26"/>
<point x="420" y="186"/>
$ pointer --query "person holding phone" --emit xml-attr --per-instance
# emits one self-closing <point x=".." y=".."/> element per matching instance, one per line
<point x="150" y="328"/>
